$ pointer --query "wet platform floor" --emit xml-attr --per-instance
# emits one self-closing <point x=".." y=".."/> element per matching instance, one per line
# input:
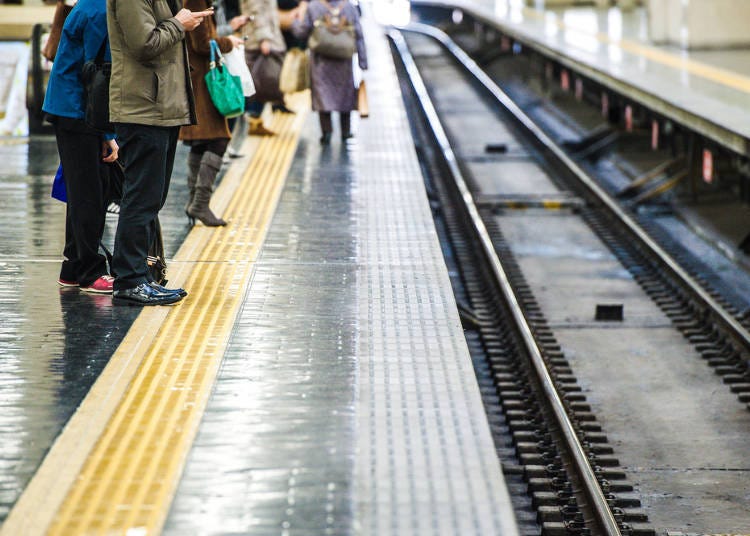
<point x="346" y="401"/>
<point x="53" y="342"/>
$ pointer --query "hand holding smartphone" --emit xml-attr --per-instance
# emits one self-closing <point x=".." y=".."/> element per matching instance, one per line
<point x="192" y="19"/>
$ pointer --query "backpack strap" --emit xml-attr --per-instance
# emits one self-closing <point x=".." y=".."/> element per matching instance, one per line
<point x="333" y="10"/>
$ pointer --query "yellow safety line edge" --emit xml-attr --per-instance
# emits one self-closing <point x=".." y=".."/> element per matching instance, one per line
<point x="215" y="265"/>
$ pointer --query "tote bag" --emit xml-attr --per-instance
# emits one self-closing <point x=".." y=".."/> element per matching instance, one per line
<point x="363" y="105"/>
<point x="225" y="88"/>
<point x="295" y="72"/>
<point x="235" y="62"/>
<point x="266" y="72"/>
<point x="59" y="191"/>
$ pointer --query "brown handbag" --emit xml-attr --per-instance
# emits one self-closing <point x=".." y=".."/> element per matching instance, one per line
<point x="362" y="105"/>
<point x="62" y="10"/>
<point x="266" y="71"/>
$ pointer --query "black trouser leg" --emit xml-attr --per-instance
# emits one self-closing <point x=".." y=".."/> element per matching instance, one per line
<point x="346" y="124"/>
<point x="147" y="153"/>
<point x="326" y="124"/>
<point x="80" y="154"/>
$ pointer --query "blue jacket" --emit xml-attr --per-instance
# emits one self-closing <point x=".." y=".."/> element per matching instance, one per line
<point x="83" y="33"/>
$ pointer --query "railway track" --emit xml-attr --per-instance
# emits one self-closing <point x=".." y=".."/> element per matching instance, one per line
<point x="550" y="440"/>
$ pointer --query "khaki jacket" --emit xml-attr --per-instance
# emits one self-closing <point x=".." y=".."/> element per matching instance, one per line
<point x="150" y="83"/>
<point x="264" y="26"/>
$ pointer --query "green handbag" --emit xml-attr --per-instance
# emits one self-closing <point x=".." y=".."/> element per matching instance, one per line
<point x="225" y="89"/>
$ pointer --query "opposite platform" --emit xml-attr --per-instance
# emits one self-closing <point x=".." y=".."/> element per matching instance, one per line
<point x="707" y="91"/>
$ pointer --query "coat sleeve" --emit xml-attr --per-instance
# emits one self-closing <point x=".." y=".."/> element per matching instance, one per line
<point x="301" y="29"/>
<point x="360" y="37"/>
<point x="262" y="19"/>
<point x="225" y="45"/>
<point x="200" y="37"/>
<point x="146" y="38"/>
<point x="94" y="34"/>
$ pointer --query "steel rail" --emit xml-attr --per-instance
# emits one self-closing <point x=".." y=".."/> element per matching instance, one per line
<point x="720" y="314"/>
<point x="607" y="524"/>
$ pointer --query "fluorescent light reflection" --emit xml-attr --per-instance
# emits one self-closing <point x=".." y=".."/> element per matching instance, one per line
<point x="392" y="12"/>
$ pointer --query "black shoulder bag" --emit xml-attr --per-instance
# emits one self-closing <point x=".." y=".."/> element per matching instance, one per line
<point x="95" y="75"/>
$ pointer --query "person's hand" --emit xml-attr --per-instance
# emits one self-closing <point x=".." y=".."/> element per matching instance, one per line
<point x="265" y="47"/>
<point x="238" y="22"/>
<point x="236" y="41"/>
<point x="190" y="20"/>
<point x="110" y="150"/>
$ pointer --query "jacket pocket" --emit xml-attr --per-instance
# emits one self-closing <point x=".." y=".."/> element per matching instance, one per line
<point x="136" y="89"/>
<point x="169" y="94"/>
<point x="155" y="88"/>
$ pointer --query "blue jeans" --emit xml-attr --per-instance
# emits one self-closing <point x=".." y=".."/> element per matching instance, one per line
<point x="253" y="107"/>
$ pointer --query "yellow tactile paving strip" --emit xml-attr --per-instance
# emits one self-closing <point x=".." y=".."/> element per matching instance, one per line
<point x="116" y="466"/>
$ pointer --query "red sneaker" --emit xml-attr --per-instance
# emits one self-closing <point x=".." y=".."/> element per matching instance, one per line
<point x="103" y="285"/>
<point x="66" y="284"/>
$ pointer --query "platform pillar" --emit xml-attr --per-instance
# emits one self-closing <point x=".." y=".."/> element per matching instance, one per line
<point x="699" y="23"/>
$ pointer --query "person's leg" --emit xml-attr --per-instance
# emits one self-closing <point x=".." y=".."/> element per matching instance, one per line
<point x="171" y="139"/>
<point x="80" y="154"/>
<point x="282" y="107"/>
<point x="326" y="127"/>
<point x="240" y="127"/>
<point x="254" y="110"/>
<point x="69" y="269"/>
<point x="194" y="164"/>
<point x="346" y="125"/>
<point x="209" y="168"/>
<point x="146" y="153"/>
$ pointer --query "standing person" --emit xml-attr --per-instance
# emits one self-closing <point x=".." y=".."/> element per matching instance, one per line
<point x="150" y="99"/>
<point x="229" y="21"/>
<point x="208" y="140"/>
<point x="263" y="39"/>
<point x="289" y="11"/>
<point x="62" y="9"/>
<point x="226" y="18"/>
<point x="82" y="150"/>
<point x="332" y="79"/>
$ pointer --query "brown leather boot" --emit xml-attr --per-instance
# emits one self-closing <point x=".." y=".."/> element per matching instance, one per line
<point x="257" y="128"/>
<point x="210" y="166"/>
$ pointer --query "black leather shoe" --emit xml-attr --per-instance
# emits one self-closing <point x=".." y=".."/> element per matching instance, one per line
<point x="282" y="108"/>
<point x="144" y="294"/>
<point x="325" y="139"/>
<point x="164" y="290"/>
